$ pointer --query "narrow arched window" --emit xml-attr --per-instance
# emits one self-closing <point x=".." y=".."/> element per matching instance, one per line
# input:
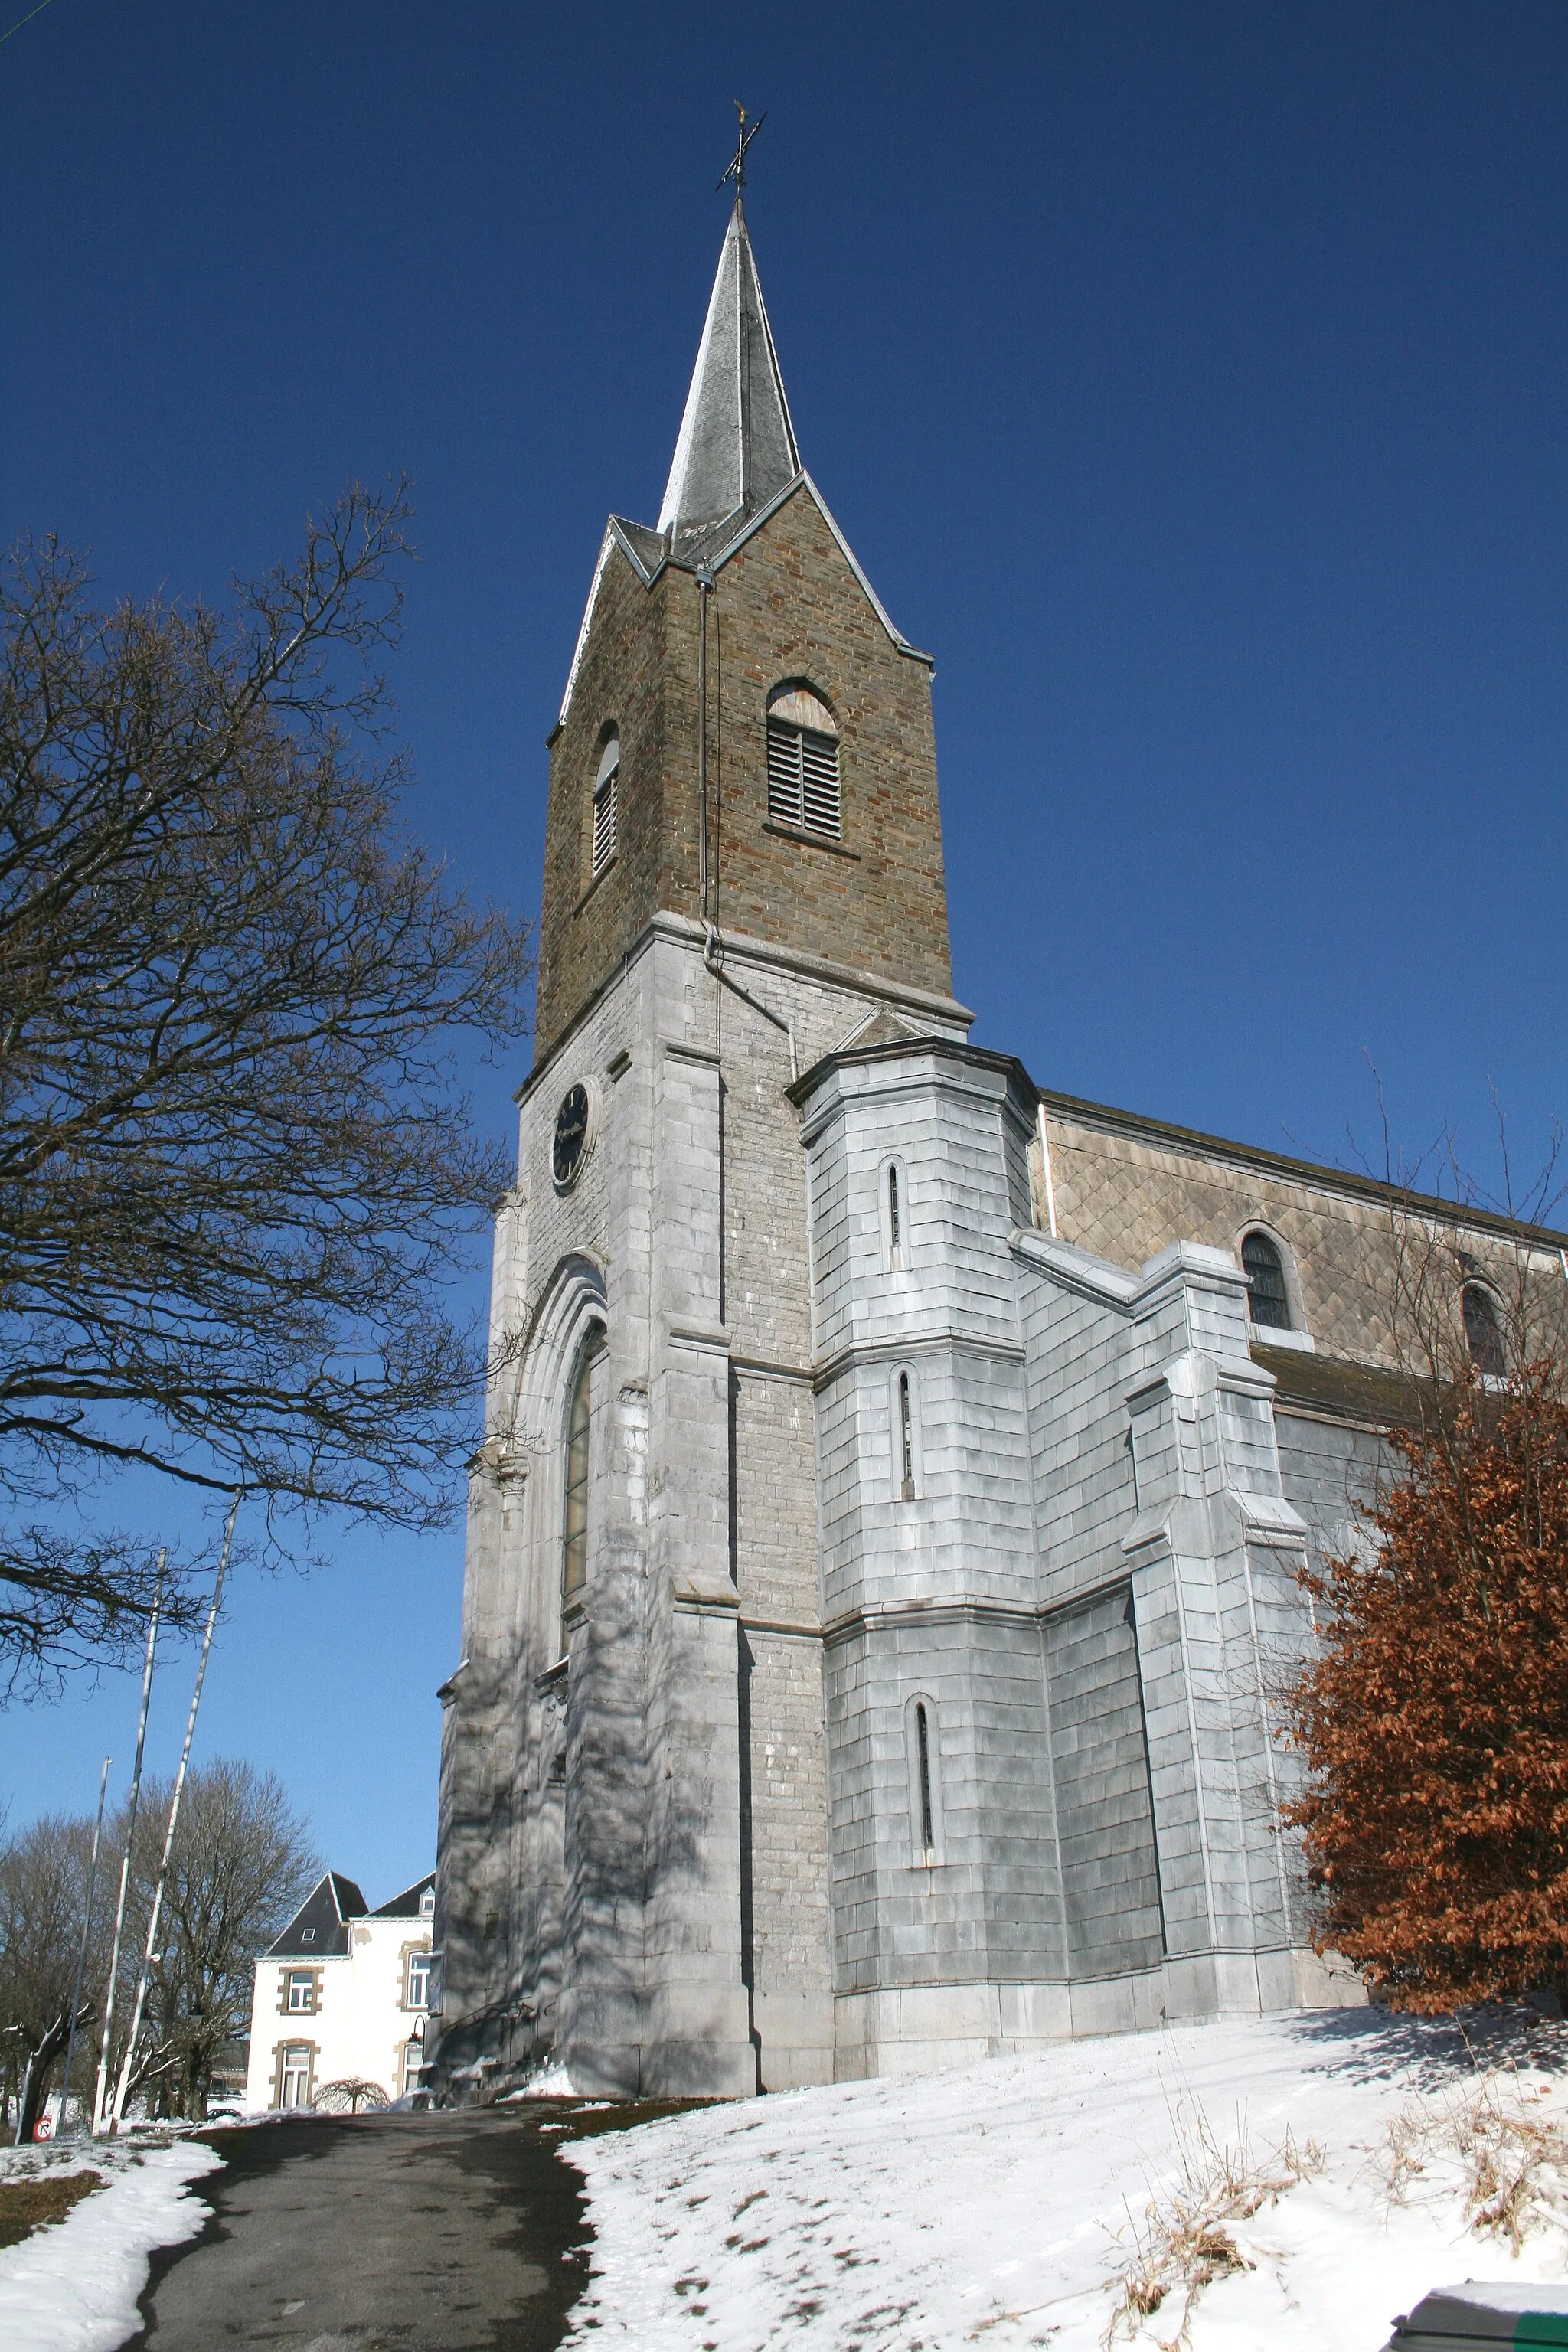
<point x="923" y="1774"/>
<point x="922" y="1736"/>
<point x="803" y="762"/>
<point x="1483" y="1335"/>
<point x="1268" y="1299"/>
<point x="607" y="800"/>
<point x="895" y="1218"/>
<point x="574" y="1512"/>
<point x="906" y="1441"/>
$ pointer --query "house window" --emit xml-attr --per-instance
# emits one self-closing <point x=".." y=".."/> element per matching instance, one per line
<point x="418" y="1992"/>
<point x="574" y="1514"/>
<point x="294" y="2076"/>
<point x="1267" y="1300"/>
<point x="803" y="762"/>
<point x="301" y="1995"/>
<point x="906" y="1442"/>
<point x="1482" y="1335"/>
<point x="607" y="795"/>
<point x="895" y="1218"/>
<point x="428" y="1904"/>
<point x="307" y="1934"/>
<point x="413" y="2065"/>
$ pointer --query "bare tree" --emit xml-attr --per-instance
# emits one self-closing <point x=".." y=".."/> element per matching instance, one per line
<point x="1475" y="1288"/>
<point x="235" y="1163"/>
<point x="348" y="2096"/>
<point x="43" y="1901"/>
<point x="242" y="1864"/>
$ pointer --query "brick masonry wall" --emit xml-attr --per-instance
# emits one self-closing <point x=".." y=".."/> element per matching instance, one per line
<point x="585" y="927"/>
<point x="788" y="606"/>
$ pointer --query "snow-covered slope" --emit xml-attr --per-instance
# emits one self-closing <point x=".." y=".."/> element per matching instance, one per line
<point x="1008" y="2203"/>
<point x="72" y="2287"/>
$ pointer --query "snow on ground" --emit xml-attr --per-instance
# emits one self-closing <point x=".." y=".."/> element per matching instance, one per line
<point x="551" y="2082"/>
<point x="1001" y="2204"/>
<point x="73" y="2286"/>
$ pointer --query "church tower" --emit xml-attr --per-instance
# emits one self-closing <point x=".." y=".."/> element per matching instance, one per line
<point x="742" y="874"/>
<point x="887" y="1536"/>
<point x="745" y="738"/>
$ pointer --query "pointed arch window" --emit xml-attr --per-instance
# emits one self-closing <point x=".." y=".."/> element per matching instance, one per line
<point x="906" y="1441"/>
<point x="923" y="1734"/>
<point x="803" y="762"/>
<point x="574" y="1509"/>
<point x="1483" y="1333"/>
<point x="922" y="1777"/>
<point x="1267" y="1295"/>
<point x="606" y="803"/>
<point x="893" y="1214"/>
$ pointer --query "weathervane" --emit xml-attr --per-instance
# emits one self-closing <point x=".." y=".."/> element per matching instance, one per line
<point x="737" y="169"/>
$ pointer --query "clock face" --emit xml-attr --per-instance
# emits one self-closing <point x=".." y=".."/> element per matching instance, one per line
<point x="571" y="1138"/>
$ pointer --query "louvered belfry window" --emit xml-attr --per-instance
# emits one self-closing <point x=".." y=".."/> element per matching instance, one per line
<point x="607" y="795"/>
<point x="803" y="764"/>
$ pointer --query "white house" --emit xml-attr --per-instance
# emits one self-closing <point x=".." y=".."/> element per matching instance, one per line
<point x="342" y="1996"/>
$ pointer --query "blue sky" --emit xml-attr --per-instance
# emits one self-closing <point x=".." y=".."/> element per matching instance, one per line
<point x="1188" y="378"/>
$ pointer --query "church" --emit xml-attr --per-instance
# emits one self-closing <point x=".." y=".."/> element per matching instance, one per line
<point x="883" y="1549"/>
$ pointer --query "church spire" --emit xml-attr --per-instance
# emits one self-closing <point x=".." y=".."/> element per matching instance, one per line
<point x="736" y="448"/>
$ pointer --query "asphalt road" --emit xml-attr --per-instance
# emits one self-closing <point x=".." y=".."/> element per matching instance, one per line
<point x="447" y="2232"/>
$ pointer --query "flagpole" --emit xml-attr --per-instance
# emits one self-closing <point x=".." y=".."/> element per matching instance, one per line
<point x="123" y="2088"/>
<point x="82" y="1955"/>
<point x="101" y="2085"/>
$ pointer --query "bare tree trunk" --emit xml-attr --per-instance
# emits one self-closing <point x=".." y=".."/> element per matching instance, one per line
<point x="36" y="2082"/>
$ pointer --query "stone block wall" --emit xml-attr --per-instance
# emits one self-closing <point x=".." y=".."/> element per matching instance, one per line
<point x="659" y="1898"/>
<point x="1100" y="1758"/>
<point x="1127" y="1188"/>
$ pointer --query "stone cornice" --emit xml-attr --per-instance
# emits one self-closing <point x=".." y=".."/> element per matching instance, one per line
<point x="894" y="1349"/>
<point x="741" y="948"/>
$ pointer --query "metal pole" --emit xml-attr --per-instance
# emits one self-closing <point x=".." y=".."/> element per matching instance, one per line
<point x="704" y="585"/>
<point x="101" y="2085"/>
<point x="123" y="2086"/>
<point x="82" y="1955"/>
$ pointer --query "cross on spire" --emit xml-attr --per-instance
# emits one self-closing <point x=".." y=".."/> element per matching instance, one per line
<point x="736" y="169"/>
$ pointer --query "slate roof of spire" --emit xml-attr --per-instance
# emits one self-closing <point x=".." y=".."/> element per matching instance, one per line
<point x="735" y="456"/>
<point x="736" y="449"/>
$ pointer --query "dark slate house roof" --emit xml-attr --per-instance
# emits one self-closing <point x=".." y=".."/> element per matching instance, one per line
<point x="406" y="1904"/>
<point x="320" y="1928"/>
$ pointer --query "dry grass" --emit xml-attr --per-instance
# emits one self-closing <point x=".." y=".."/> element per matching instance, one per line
<point x="1185" y="2238"/>
<point x="1511" y="2161"/>
<point x="29" y="2205"/>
